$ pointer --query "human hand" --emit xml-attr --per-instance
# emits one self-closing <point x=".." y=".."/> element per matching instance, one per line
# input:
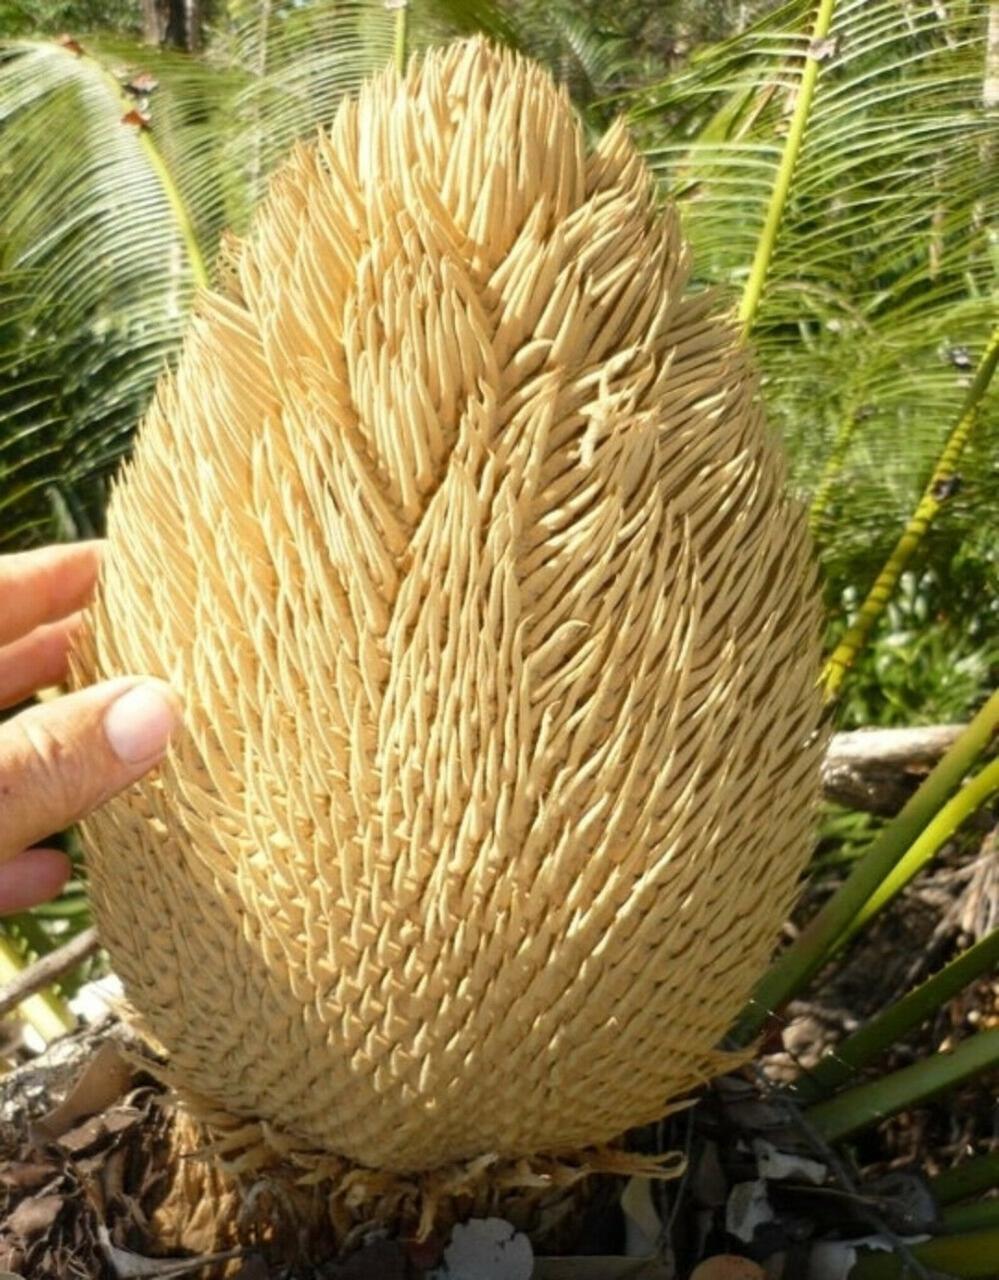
<point x="61" y="759"/>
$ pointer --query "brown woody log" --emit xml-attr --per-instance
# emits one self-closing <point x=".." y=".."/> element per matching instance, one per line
<point x="876" y="770"/>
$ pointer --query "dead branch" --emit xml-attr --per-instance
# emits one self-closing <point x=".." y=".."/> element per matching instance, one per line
<point x="876" y="770"/>
<point x="48" y="969"/>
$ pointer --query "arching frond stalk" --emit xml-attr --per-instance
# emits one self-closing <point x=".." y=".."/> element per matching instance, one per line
<point x="401" y="8"/>
<point x="814" y="56"/>
<point x="917" y="527"/>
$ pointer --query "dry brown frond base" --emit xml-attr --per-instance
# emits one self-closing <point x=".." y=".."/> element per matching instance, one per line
<point x="100" y="1174"/>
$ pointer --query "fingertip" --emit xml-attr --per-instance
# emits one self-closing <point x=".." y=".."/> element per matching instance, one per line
<point x="46" y="584"/>
<point x="60" y="760"/>
<point x="37" y="661"/>
<point x="32" y="877"/>
<point x="139" y="723"/>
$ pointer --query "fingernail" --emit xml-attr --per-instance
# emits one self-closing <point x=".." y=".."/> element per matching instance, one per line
<point x="139" y="723"/>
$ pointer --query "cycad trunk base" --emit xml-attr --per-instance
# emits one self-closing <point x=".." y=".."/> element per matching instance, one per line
<point x="461" y="535"/>
<point x="204" y="1201"/>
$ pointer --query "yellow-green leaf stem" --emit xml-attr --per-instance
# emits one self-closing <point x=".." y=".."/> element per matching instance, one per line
<point x="926" y="511"/>
<point x="400" y="32"/>
<point x="967" y="802"/>
<point x="182" y="219"/>
<point x="827" y="931"/>
<point x="50" y="1016"/>
<point x="964" y="1257"/>
<point x="785" y="172"/>
<point x="971" y="1217"/>
<point x="831" y="472"/>
<point x="965" y="1180"/>
<point x="870" y="1103"/>
<point x="875" y="1037"/>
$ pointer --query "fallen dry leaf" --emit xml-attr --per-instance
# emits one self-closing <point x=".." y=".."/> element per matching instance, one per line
<point x="728" y="1266"/>
<point x="487" y="1249"/>
<point x="83" y="1137"/>
<point x="104" y="1079"/>
<point x="27" y="1175"/>
<point x="142" y="83"/>
<point x="32" y="1217"/>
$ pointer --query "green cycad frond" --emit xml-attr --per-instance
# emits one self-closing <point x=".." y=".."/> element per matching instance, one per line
<point x="299" y="61"/>
<point x="109" y="222"/>
<point x="881" y="290"/>
<point x="105" y="242"/>
<point x="28" y="446"/>
<point x="443" y="19"/>
<point x="880" y="277"/>
<point x="592" y="60"/>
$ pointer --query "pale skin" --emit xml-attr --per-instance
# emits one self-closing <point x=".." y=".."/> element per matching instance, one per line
<point x="62" y="758"/>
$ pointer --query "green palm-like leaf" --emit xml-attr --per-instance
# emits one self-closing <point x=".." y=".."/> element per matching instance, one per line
<point x="596" y="63"/>
<point x="106" y="248"/>
<point x="879" y="291"/>
<point x="299" y="61"/>
<point x="881" y="288"/>
<point x="108" y="225"/>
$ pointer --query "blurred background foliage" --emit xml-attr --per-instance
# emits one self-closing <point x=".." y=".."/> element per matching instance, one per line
<point x="134" y="132"/>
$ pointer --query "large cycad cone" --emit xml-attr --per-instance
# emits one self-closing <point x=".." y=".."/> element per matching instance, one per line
<point x="459" y="531"/>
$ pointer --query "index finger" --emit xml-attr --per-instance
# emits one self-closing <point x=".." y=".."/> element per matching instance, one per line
<point x="45" y="585"/>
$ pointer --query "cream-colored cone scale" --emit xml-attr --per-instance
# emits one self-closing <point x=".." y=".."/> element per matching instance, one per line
<point x="460" y="532"/>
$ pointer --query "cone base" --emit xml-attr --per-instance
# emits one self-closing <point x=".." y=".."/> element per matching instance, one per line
<point x="329" y="1205"/>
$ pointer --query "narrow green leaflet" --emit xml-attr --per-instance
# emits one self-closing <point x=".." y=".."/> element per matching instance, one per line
<point x="882" y="288"/>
